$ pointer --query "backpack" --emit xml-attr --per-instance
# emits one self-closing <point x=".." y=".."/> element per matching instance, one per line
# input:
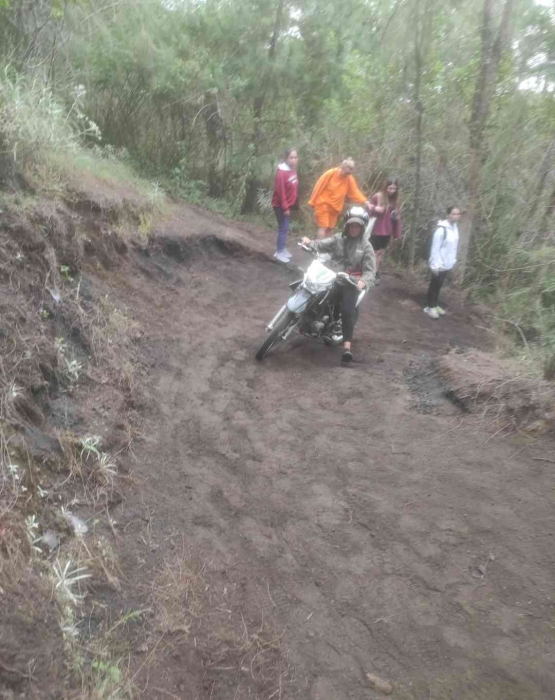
<point x="431" y="241"/>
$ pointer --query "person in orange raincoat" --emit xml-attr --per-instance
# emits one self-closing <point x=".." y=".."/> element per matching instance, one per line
<point x="329" y="195"/>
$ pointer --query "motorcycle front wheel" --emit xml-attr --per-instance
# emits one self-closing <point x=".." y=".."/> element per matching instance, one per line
<point x="275" y="334"/>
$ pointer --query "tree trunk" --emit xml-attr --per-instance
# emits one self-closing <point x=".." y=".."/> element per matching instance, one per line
<point x="492" y="44"/>
<point x="214" y="136"/>
<point x="251" y="189"/>
<point x="249" y="202"/>
<point x="545" y="169"/>
<point x="549" y="211"/>
<point x="419" y="112"/>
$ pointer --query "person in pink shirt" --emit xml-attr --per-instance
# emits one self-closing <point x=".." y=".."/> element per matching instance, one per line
<point x="285" y="195"/>
<point x="385" y="207"/>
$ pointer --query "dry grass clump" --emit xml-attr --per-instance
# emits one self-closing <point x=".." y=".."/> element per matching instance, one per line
<point x="97" y="470"/>
<point x="242" y="657"/>
<point x="180" y="596"/>
<point x="498" y="389"/>
<point x="96" y="554"/>
<point x="112" y="331"/>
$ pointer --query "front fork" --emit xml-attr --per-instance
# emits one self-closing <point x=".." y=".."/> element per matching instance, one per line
<point x="272" y="323"/>
<point x="296" y="304"/>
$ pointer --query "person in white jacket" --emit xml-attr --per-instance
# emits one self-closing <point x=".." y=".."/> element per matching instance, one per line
<point x="443" y="256"/>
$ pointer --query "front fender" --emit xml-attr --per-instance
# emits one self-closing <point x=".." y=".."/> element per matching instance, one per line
<point x="299" y="301"/>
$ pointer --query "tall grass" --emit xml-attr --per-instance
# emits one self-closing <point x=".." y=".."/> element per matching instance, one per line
<point x="525" y="300"/>
<point x="32" y="123"/>
<point x="43" y="138"/>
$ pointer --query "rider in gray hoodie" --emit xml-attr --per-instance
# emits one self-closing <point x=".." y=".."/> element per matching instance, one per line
<point x="351" y="252"/>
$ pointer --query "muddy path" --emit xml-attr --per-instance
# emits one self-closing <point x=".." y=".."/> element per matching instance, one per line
<point x="352" y="517"/>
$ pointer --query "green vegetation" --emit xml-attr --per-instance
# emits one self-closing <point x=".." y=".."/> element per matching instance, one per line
<point x="458" y="100"/>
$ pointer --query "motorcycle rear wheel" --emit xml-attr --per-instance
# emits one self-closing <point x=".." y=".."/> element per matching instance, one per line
<point x="277" y="331"/>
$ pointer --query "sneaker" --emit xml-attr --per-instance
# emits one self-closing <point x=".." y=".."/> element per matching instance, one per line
<point x="432" y="313"/>
<point x="347" y="356"/>
<point x="281" y="257"/>
<point x="440" y="311"/>
<point x="289" y="255"/>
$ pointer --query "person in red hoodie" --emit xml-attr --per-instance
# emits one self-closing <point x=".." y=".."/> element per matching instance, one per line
<point x="285" y="196"/>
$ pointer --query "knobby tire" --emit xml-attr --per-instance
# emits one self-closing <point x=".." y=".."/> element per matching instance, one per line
<point x="281" y="324"/>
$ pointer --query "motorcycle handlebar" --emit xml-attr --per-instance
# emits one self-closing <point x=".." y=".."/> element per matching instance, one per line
<point x="348" y="278"/>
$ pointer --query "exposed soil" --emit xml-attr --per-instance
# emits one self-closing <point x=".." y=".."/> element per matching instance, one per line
<point x="479" y="382"/>
<point x="294" y="525"/>
<point x="297" y="525"/>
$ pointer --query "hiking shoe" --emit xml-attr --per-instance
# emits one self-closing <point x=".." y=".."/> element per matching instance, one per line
<point x="281" y="257"/>
<point x="347" y="356"/>
<point x="440" y="311"/>
<point x="432" y="313"/>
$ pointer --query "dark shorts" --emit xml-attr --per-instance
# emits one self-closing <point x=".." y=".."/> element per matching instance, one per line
<point x="379" y="242"/>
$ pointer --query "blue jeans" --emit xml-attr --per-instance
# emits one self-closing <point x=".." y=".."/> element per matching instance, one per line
<point x="283" y="227"/>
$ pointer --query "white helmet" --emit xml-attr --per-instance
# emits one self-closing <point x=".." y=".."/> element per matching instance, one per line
<point x="356" y="215"/>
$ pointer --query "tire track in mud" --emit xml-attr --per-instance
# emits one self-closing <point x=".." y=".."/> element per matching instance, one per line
<point x="352" y="521"/>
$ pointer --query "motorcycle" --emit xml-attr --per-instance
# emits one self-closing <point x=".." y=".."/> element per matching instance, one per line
<point x="312" y="308"/>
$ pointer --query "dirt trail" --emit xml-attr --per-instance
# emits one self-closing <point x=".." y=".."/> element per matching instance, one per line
<point x="354" y="511"/>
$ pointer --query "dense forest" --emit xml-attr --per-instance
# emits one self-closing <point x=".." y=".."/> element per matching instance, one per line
<point x="456" y="99"/>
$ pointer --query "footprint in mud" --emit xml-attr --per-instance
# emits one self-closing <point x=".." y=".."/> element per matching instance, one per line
<point x="323" y="689"/>
<point x="261" y="537"/>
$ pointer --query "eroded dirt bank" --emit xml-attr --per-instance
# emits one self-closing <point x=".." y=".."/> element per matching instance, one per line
<point x="299" y="525"/>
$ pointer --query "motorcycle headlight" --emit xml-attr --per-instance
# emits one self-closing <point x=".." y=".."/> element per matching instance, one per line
<point x="316" y="287"/>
